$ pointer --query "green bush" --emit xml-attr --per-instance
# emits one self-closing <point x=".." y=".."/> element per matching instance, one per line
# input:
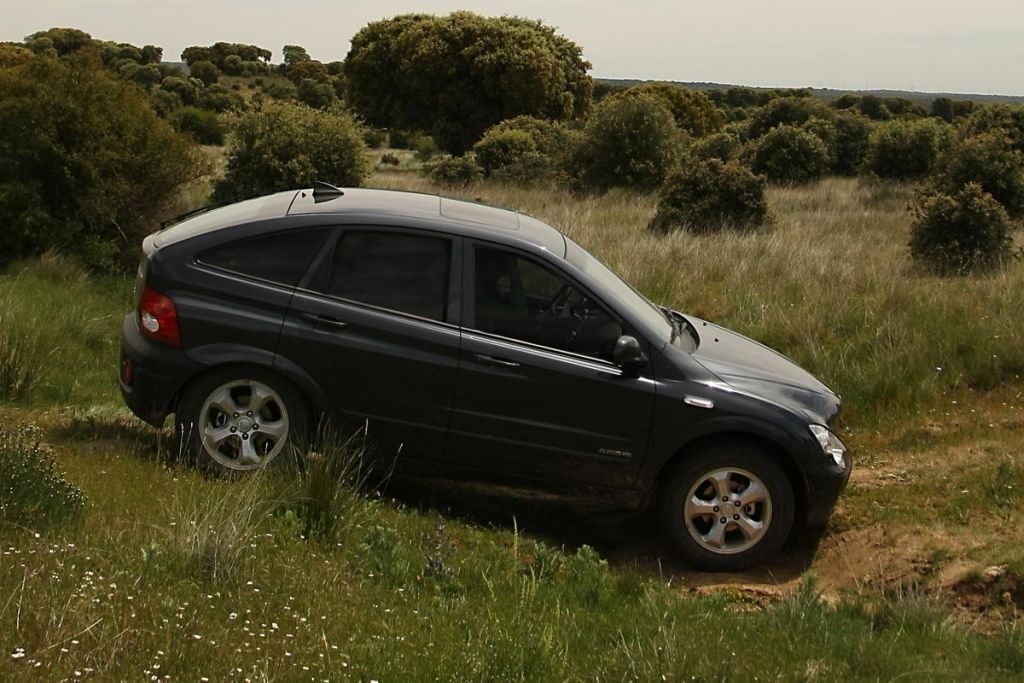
<point x="454" y="171"/>
<point x="628" y="142"/>
<point x="724" y="146"/>
<point x="86" y="165"/>
<point x="281" y="90"/>
<point x="374" y="137"/>
<point x="989" y="160"/>
<point x="693" y="111"/>
<point x="708" y="195"/>
<point x="786" y="111"/>
<point x="906" y="149"/>
<point x="33" y="493"/>
<point x="968" y="231"/>
<point x="790" y="156"/>
<point x="991" y="118"/>
<point x="524" y="149"/>
<point x="201" y="124"/>
<point x="219" y="98"/>
<point x="852" y="133"/>
<point x="401" y="138"/>
<point x="287" y="145"/>
<point x="205" y="71"/>
<point x="315" y="94"/>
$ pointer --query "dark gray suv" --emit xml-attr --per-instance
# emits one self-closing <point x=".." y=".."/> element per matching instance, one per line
<point x="473" y="343"/>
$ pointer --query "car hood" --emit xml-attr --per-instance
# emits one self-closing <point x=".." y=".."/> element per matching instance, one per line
<point x="748" y="366"/>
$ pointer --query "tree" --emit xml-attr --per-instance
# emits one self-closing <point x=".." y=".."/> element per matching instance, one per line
<point x="790" y="111"/>
<point x="942" y="108"/>
<point x="906" y="149"/>
<point x="990" y="161"/>
<point x="788" y="155"/>
<point x="205" y="71"/>
<point x="524" y="149"/>
<point x="287" y="145"/>
<point x="693" y="111"/>
<point x="85" y="164"/>
<point x="455" y="76"/>
<point x="293" y="54"/>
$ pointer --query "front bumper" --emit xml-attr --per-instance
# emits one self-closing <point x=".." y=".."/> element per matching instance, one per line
<point x="157" y="373"/>
<point x="824" y="485"/>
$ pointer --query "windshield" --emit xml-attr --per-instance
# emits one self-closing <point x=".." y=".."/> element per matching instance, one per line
<point x="621" y="294"/>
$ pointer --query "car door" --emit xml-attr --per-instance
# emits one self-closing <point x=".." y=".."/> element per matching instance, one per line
<point x="538" y="397"/>
<point x="373" y="326"/>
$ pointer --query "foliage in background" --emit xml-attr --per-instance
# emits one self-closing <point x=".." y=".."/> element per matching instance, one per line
<point x="709" y="195"/>
<point x="456" y="76"/>
<point x="1001" y="118"/>
<point x="454" y="171"/>
<point x="86" y="166"/>
<point x="990" y="160"/>
<point x="33" y="492"/>
<point x="694" y="113"/>
<point x="789" y="156"/>
<point x="525" y="149"/>
<point x="285" y="146"/>
<point x="906" y="149"/>
<point x="961" y="233"/>
<point x="628" y="142"/>
<point x="786" y="111"/>
<point x="724" y="146"/>
<point x="203" y="125"/>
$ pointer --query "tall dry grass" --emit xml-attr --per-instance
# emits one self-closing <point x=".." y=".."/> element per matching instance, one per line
<point x="830" y="284"/>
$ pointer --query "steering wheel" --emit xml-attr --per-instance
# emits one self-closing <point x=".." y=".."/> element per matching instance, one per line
<point x="559" y="299"/>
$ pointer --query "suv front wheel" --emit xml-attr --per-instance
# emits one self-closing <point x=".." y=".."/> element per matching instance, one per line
<point x="239" y="419"/>
<point x="727" y="507"/>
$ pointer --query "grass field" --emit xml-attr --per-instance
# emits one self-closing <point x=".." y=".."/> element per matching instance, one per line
<point x="169" y="574"/>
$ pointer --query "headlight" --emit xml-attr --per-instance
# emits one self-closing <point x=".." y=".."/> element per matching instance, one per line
<point x="830" y="443"/>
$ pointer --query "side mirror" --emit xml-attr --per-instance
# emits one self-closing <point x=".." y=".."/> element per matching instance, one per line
<point x="628" y="355"/>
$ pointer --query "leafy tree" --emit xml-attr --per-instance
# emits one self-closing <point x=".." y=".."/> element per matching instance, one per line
<point x="1003" y="118"/>
<point x="286" y="145"/>
<point x="990" y="161"/>
<point x="906" y="149"/>
<point x="63" y="41"/>
<point x="901" y="106"/>
<point x="693" y="111"/>
<point x="293" y="54"/>
<point x="205" y="71"/>
<point x="308" y="70"/>
<point x="86" y="166"/>
<point x="706" y="196"/>
<point x="186" y="89"/>
<point x="524" y="148"/>
<point x="628" y="142"/>
<point x="724" y="146"/>
<point x="789" y="155"/>
<point x="873" y="107"/>
<point x="853" y="133"/>
<point x="455" y="76"/>
<point x="790" y="111"/>
<point x="847" y="101"/>
<point x="219" y="98"/>
<point x="218" y="53"/>
<point x="942" y="108"/>
<point x="315" y="94"/>
<point x="960" y="233"/>
<point x="203" y="125"/>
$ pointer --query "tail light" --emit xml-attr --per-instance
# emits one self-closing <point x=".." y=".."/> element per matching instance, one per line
<point x="158" y="319"/>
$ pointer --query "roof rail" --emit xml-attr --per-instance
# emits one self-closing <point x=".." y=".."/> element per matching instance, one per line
<point x="325" y="191"/>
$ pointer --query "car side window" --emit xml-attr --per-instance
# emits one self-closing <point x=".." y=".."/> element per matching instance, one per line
<point x="394" y="270"/>
<point x="282" y="257"/>
<point x="517" y="297"/>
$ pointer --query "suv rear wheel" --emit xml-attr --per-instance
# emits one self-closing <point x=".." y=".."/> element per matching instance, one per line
<point x="727" y="507"/>
<point x="239" y="419"/>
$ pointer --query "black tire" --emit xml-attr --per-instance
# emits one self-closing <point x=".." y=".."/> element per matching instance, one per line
<point x="188" y="418"/>
<point x="776" y="518"/>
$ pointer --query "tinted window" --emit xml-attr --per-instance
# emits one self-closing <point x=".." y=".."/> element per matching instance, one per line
<point x="394" y="270"/>
<point x="282" y="257"/>
<point x="518" y="298"/>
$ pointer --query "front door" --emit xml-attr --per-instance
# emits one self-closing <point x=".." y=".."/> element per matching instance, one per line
<point x="538" y="397"/>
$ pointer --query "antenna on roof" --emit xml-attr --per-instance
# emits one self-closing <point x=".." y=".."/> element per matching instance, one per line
<point x="325" y="191"/>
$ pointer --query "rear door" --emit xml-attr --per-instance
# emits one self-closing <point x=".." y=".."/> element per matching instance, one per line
<point x="374" y="327"/>
<point x="538" y="397"/>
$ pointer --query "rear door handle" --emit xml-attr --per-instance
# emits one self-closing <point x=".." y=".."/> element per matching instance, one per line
<point x="323" y="322"/>
<point x="497" y="362"/>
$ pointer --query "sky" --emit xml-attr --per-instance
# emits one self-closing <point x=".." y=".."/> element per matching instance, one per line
<point x="918" y="45"/>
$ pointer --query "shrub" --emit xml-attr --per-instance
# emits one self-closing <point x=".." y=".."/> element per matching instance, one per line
<point x="281" y="90"/>
<point x="219" y="98"/>
<point x="724" y="146"/>
<point x="454" y="171"/>
<point x="788" y="155"/>
<point x="628" y="142"/>
<point x="523" y="148"/>
<point x="965" y="232"/>
<point x="786" y="111"/>
<point x="374" y="137"/>
<point x="205" y="71"/>
<point x="852" y="133"/>
<point x="390" y="159"/>
<point x="33" y="492"/>
<point x="315" y="94"/>
<point x="905" y="149"/>
<point x="401" y="138"/>
<point x="693" y="111"/>
<point x="989" y="160"/>
<point x="991" y="118"/>
<point x="287" y="145"/>
<point x="201" y="124"/>
<point x="86" y="165"/>
<point x="708" y="195"/>
<point x="187" y="89"/>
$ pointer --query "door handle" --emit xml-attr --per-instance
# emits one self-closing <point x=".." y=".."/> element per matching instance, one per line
<point x="497" y="362"/>
<point x="323" y="321"/>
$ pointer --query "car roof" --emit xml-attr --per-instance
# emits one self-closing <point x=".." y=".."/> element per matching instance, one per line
<point x="407" y="209"/>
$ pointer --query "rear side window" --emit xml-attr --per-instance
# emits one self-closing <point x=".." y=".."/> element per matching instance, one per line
<point x="282" y="257"/>
<point x="394" y="270"/>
